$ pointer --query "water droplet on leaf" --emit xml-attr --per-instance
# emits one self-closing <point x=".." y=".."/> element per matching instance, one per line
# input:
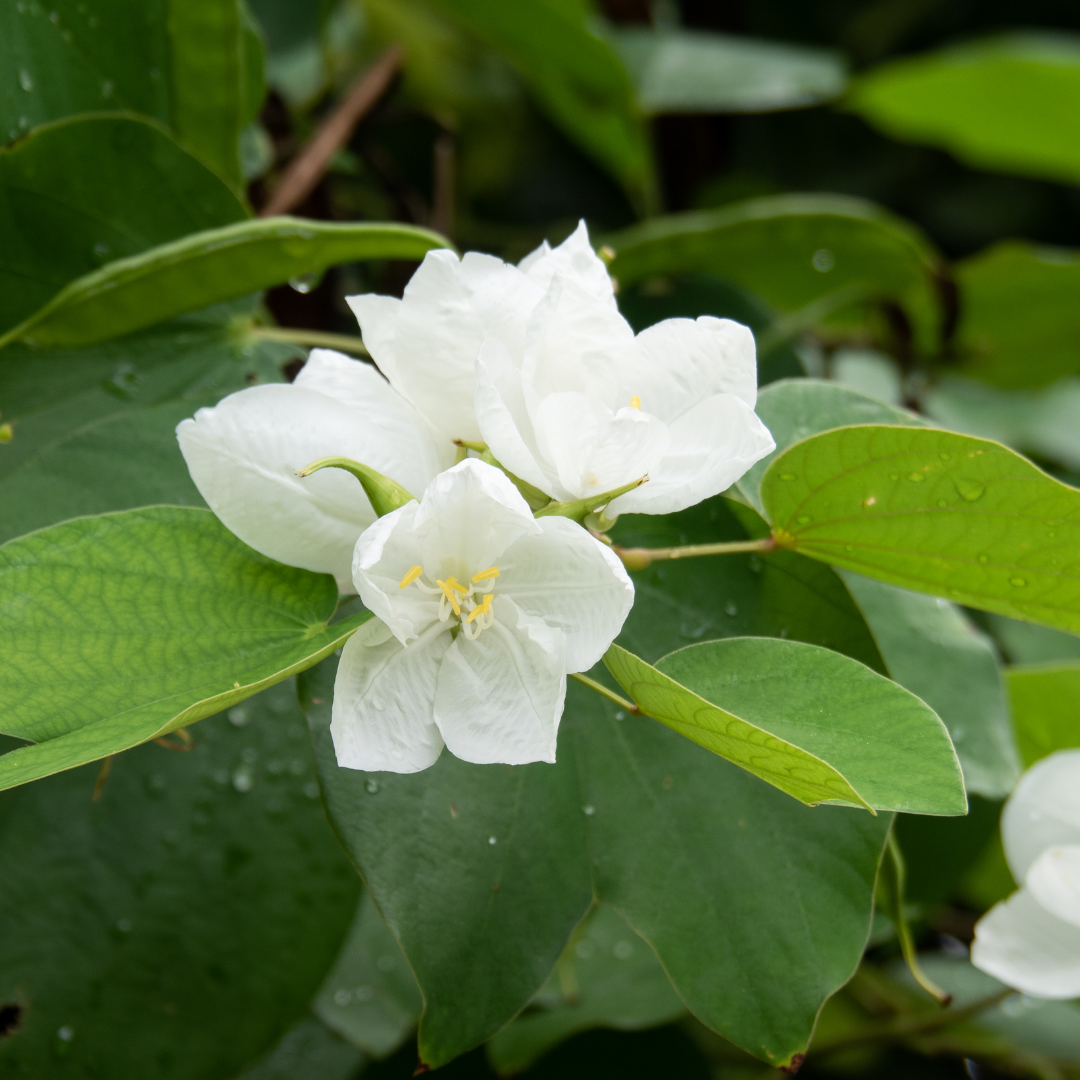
<point x="372" y="787"/>
<point x="304" y="283"/>
<point x="915" y="477"/>
<point x="804" y="520"/>
<point x="26" y="80"/>
<point x="1017" y="581"/>
<point x="588" y="810"/>
<point x="823" y="260"/>
<point x="970" y="489"/>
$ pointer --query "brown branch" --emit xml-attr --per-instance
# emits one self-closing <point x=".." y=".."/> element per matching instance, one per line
<point x="308" y="167"/>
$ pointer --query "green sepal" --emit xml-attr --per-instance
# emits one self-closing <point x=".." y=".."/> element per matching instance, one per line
<point x="577" y="511"/>
<point x="386" y="495"/>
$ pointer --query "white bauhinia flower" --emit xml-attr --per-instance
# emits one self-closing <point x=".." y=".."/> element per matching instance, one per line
<point x="244" y="453"/>
<point x="1032" y="940"/>
<point x="481" y="612"/>
<point x="536" y="362"/>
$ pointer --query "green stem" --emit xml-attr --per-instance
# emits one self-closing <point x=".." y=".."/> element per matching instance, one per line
<point x="640" y="558"/>
<point x="629" y="706"/>
<point x="317" y="339"/>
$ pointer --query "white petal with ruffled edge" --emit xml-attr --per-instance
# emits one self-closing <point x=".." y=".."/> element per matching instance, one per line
<point x="574" y="259"/>
<point x="500" y="697"/>
<point x="572" y="582"/>
<point x="1054" y="881"/>
<point x="711" y="446"/>
<point x="1043" y="811"/>
<point x="382" y="717"/>
<point x="1025" y="946"/>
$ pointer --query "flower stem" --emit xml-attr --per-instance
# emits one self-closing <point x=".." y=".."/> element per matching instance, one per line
<point x="314" y="338"/>
<point x="640" y="558"/>
<point x="629" y="706"/>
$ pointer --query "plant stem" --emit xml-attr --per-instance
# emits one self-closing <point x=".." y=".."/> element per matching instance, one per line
<point x="629" y="706"/>
<point x="639" y="558"/>
<point x="314" y="338"/>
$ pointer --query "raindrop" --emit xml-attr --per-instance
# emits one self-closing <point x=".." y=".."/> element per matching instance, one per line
<point x="894" y="476"/>
<point x="804" y="520"/>
<point x="1017" y="581"/>
<point x="824" y="260"/>
<point x="731" y="609"/>
<point x="584" y="950"/>
<point x="124" y="926"/>
<point x="304" y="283"/>
<point x="849" y="547"/>
<point x="238" y="716"/>
<point x="65" y="1034"/>
<point x="942" y="502"/>
<point x="342" y="997"/>
<point x="311" y="790"/>
<point x="970" y="489"/>
<point x="756" y="565"/>
<point x="984" y="558"/>
<point x="54" y="18"/>
<point x="623" y="950"/>
<point x="620" y="715"/>
<point x="102" y="250"/>
<point x="156" y="783"/>
<point x="372" y="787"/>
<point x="24" y="122"/>
<point x="26" y="80"/>
<point x="588" y="810"/>
<point x="242" y="781"/>
<point x="944" y="456"/>
<point x="106" y="89"/>
<point x="915" y="477"/>
<point x="788" y="476"/>
<point x="363" y="993"/>
<point x="492" y="840"/>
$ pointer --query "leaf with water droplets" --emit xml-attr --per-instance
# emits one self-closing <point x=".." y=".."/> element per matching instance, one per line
<point x="1010" y="544"/>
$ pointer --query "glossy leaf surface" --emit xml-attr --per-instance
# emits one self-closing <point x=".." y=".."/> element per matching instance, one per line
<point x="194" y="904"/>
<point x="119" y="628"/>
<point x="935" y="512"/>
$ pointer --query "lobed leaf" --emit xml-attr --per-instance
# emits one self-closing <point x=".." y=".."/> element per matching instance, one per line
<point x="120" y="628"/>
<point x="936" y="512"/>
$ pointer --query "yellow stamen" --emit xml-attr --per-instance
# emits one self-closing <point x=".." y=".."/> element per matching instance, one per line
<point x="411" y="576"/>
<point x="486" y="575"/>
<point x="635" y="403"/>
<point x="448" y="591"/>
<point x="480" y="609"/>
<point x="456" y="585"/>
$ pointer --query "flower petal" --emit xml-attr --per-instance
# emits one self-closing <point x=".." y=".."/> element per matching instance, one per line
<point x="1025" y="946"/>
<point x="1054" y="881"/>
<point x="712" y="445"/>
<point x="500" y="697"/>
<point x="575" y="260"/>
<point x="428" y="343"/>
<point x="384" y="554"/>
<point x="1043" y="811"/>
<point x="572" y="582"/>
<point x="468" y="517"/>
<point x="382" y="713"/>
<point x="593" y="449"/>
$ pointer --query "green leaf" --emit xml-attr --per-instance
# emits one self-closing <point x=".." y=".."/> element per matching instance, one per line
<point x="757" y="907"/>
<point x="120" y="628"/>
<point x="177" y="924"/>
<point x="935" y="512"/>
<point x="795" y="408"/>
<point x="793" y="251"/>
<point x="309" y="1051"/>
<point x="1045" y="701"/>
<point x="889" y="748"/>
<point x="932" y="650"/>
<point x="208" y="268"/>
<point x="606" y="977"/>
<point x="691" y="71"/>
<point x="93" y="430"/>
<point x="1009" y="103"/>
<point x="575" y="76"/>
<point x="370" y="996"/>
<point x="1019" y="324"/>
<point x="1025" y="643"/>
<point x="60" y="220"/>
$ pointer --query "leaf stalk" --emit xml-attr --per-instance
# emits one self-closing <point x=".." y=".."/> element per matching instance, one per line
<point x="641" y="558"/>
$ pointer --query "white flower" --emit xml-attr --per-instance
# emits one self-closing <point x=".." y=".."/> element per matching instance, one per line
<point x="482" y="611"/>
<point x="244" y="452"/>
<point x="536" y="362"/>
<point x="1032" y="940"/>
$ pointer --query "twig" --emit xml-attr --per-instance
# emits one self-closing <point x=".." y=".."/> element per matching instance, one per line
<point x="311" y="163"/>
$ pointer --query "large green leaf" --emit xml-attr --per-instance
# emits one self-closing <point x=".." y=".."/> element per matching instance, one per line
<point x="309" y="1051"/>
<point x="575" y="77"/>
<point x="1019" y="321"/>
<point x="935" y="652"/>
<point x="177" y="924"/>
<point x="935" y="512"/>
<point x="119" y="628"/>
<point x="690" y="71"/>
<point x="886" y="744"/>
<point x="757" y="907"/>
<point x="93" y="429"/>
<point x="1046" y="704"/>
<point x="1010" y="103"/>
<point x="208" y="268"/>
<point x="606" y="977"/>
<point x="793" y="251"/>
<point x="60" y="220"/>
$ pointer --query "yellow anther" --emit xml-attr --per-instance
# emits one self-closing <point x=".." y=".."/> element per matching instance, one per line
<point x="480" y="609"/>
<point x="456" y="585"/>
<point x="448" y="592"/>
<point x="486" y="575"/>
<point x="635" y="403"/>
<point x="411" y="576"/>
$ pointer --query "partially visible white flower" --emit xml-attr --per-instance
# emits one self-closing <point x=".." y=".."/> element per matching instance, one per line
<point x="586" y="407"/>
<point x="1032" y="940"/>
<point x="426" y="344"/>
<point x="244" y="452"/>
<point x="482" y="611"/>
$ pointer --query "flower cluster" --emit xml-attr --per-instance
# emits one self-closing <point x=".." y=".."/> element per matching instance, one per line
<point x="1032" y="940"/>
<point x="482" y="609"/>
